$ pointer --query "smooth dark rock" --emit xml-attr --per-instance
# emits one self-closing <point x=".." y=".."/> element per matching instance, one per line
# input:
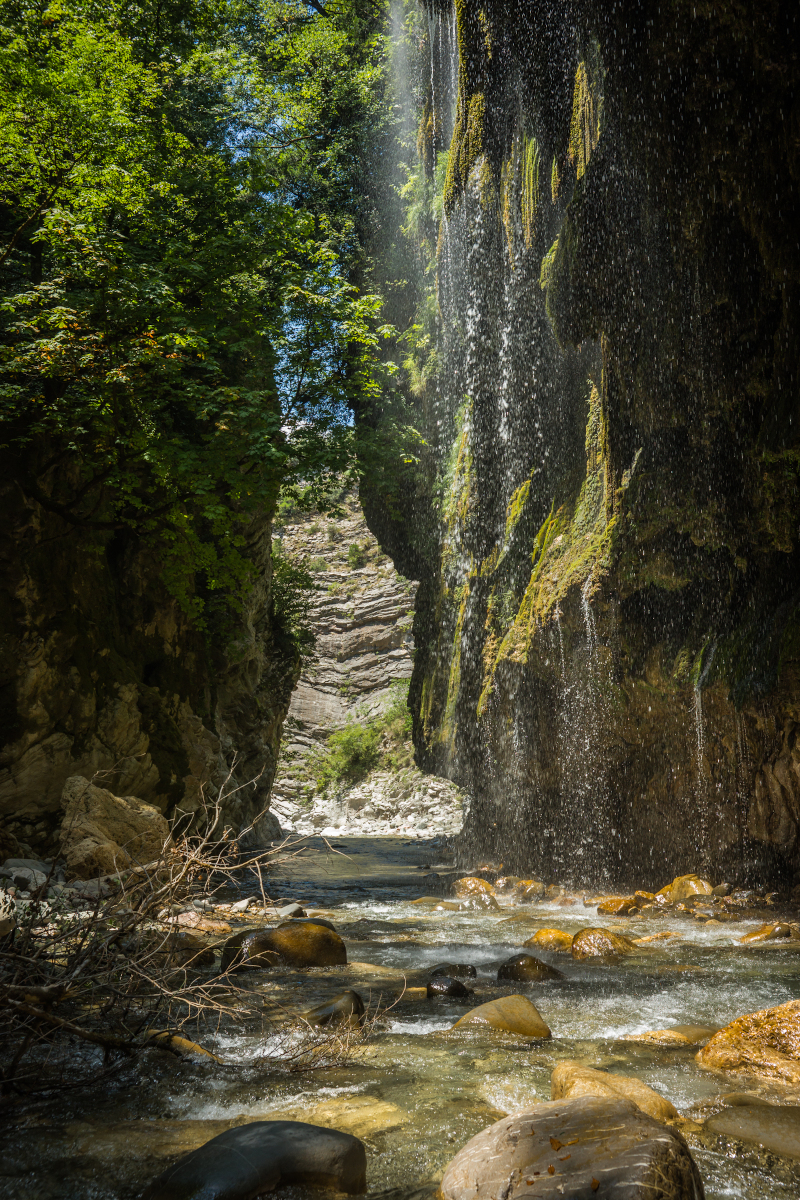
<point x="575" y="1150"/>
<point x="455" y="970"/>
<point x="526" y="967"/>
<point x="247" y="1161"/>
<point x="346" y="1008"/>
<point x="444" y="985"/>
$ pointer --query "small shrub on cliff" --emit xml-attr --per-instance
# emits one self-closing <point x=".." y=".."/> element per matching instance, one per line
<point x="350" y="755"/>
<point x="383" y="741"/>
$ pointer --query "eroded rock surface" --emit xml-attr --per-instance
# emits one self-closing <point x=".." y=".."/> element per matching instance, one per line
<point x="575" y="1149"/>
<point x="102" y="833"/>
<point x="362" y="616"/>
<point x="764" y="1043"/>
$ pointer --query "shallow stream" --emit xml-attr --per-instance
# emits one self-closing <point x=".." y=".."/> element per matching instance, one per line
<point x="414" y="1092"/>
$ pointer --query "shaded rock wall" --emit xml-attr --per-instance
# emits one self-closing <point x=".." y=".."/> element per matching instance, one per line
<point x="606" y="624"/>
<point x="101" y="671"/>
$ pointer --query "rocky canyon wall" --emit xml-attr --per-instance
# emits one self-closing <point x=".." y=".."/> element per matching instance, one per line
<point x="103" y="672"/>
<point x="604" y="522"/>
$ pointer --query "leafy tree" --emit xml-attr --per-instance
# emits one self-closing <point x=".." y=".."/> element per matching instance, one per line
<point x="181" y="336"/>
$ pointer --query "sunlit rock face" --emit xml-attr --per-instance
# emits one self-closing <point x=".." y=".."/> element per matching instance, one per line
<point x="102" y="672"/>
<point x="606" y="625"/>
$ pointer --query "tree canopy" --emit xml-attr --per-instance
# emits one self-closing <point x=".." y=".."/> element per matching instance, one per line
<point x="181" y="328"/>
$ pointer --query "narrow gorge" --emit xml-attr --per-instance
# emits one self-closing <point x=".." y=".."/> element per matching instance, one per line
<point x="400" y="599"/>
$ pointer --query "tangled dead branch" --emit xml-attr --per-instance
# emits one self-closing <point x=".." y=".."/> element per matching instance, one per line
<point x="117" y="970"/>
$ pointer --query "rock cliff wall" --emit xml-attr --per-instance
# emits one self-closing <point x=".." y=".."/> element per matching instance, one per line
<point x="102" y="672"/>
<point x="606" y="624"/>
<point x="361" y="616"/>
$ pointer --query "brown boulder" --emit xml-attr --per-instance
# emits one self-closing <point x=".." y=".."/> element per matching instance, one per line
<point x="767" y="933"/>
<point x="764" y="1043"/>
<point x="574" y="1150"/>
<point x="303" y="944"/>
<point x="102" y="833"/>
<point x="528" y="890"/>
<point x="511" y="1014"/>
<point x="551" y="939"/>
<point x="684" y="886"/>
<point x="472" y="886"/>
<point x="677" y="1035"/>
<point x="570" y="1080"/>
<point x="600" y="943"/>
<point x="617" y="906"/>
<point x="522" y="967"/>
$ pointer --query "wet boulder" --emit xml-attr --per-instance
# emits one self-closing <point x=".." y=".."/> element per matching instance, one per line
<point x="307" y="944"/>
<point x="676" y="1035"/>
<point x="600" y="943"/>
<point x="510" y="1014"/>
<point x="308" y="921"/>
<point x="684" y="886"/>
<point x="768" y="933"/>
<point x="551" y="939"/>
<point x="248" y="948"/>
<point x="764" y="1043"/>
<point x="617" y="906"/>
<point x="507" y="883"/>
<point x="574" y="1150"/>
<point x="445" y="985"/>
<point x="478" y="900"/>
<point x="773" y="1126"/>
<point x="455" y="970"/>
<point x="571" y="1079"/>
<point x="249" y="1160"/>
<point x="524" y="967"/>
<point x="472" y="886"/>
<point x="345" y="1009"/>
<point x="529" y="890"/>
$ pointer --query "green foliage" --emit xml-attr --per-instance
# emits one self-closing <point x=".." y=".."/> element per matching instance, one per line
<point x="179" y="334"/>
<point x="363" y="746"/>
<point x="355" y="557"/>
<point x="530" y="187"/>
<point x="292" y="590"/>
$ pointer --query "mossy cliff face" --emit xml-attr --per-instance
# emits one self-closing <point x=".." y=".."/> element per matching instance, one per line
<point x="607" y="633"/>
<point x="102" y="672"/>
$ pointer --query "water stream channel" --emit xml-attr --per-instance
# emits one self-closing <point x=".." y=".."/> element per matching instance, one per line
<point x="414" y="1092"/>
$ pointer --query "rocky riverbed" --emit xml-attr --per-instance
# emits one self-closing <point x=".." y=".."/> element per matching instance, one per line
<point x="630" y="1001"/>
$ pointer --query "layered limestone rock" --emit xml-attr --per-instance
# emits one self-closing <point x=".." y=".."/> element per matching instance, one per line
<point x="361" y="616"/>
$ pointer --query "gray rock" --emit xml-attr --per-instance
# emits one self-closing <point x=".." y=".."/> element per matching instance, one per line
<point x="33" y="864"/>
<point x="291" y="910"/>
<point x="243" y="905"/>
<point x="26" y="878"/>
<point x="574" y="1150"/>
<point x="775" y="1127"/>
<point x="252" y="1159"/>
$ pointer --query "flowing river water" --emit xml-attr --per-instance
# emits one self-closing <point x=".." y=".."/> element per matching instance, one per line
<point x="414" y="1092"/>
